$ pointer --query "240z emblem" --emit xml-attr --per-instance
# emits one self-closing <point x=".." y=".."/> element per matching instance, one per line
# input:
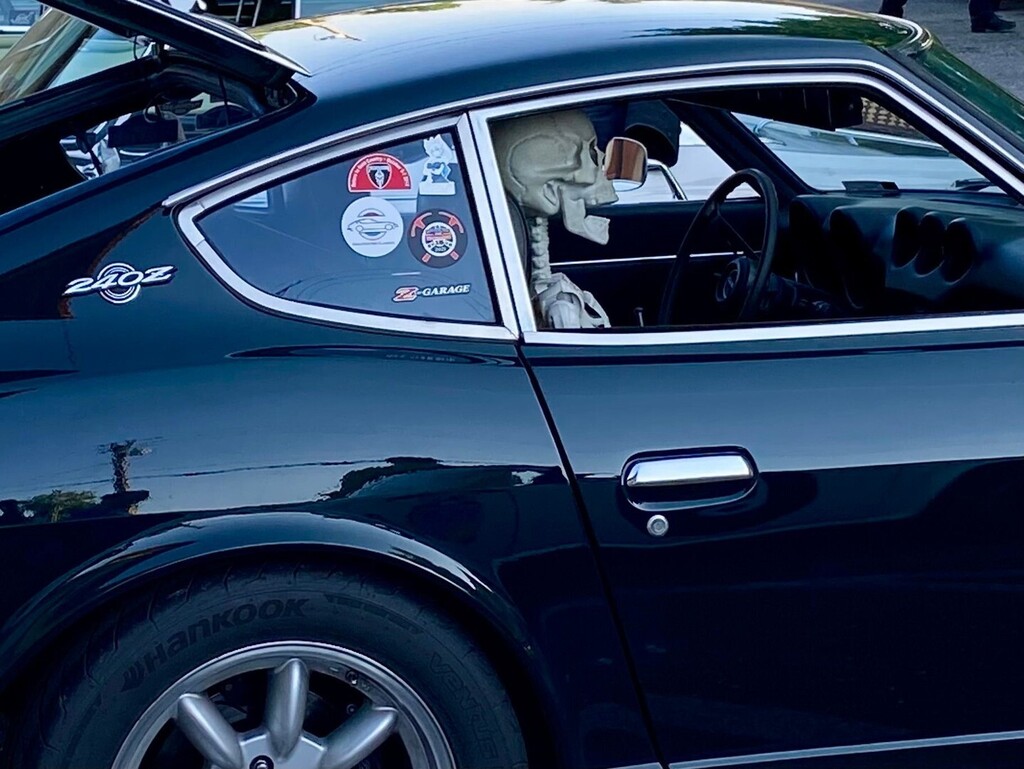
<point x="119" y="283"/>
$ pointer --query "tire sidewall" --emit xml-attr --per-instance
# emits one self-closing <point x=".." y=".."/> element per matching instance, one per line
<point x="188" y="629"/>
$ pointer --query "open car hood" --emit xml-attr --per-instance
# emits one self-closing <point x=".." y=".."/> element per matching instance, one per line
<point x="216" y="42"/>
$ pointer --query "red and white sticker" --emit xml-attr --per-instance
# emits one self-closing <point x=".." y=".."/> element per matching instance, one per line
<point x="406" y="294"/>
<point x="379" y="173"/>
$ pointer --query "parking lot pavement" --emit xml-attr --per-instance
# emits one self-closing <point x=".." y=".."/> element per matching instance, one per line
<point x="999" y="57"/>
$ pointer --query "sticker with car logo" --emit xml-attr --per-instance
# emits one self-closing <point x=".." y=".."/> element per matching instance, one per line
<point x="372" y="227"/>
<point x="411" y="293"/>
<point x="120" y="283"/>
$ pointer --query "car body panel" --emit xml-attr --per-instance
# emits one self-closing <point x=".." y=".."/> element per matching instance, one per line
<point x="188" y="425"/>
<point x="347" y="430"/>
<point x="869" y="575"/>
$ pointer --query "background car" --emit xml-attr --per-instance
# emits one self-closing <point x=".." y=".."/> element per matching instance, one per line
<point x="16" y="16"/>
<point x="522" y="476"/>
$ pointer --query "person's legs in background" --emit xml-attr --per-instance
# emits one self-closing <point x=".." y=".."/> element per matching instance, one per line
<point x="984" y="18"/>
<point x="893" y="8"/>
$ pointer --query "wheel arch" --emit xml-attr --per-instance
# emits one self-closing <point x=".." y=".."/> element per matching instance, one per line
<point x="38" y="630"/>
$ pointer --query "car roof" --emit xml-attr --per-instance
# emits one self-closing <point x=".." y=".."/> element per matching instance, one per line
<point x="396" y="59"/>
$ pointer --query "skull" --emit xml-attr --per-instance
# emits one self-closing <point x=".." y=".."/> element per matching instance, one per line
<point x="550" y="163"/>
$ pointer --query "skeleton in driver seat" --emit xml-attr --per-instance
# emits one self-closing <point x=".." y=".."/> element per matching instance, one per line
<point x="550" y="164"/>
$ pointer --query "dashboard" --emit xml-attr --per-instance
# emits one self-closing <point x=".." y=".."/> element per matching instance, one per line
<point x="905" y="254"/>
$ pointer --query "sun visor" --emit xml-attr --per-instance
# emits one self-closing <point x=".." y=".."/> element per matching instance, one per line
<point x="824" y="108"/>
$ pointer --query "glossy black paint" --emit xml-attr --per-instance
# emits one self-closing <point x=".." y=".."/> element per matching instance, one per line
<point x="865" y="592"/>
<point x="375" y="444"/>
<point x="187" y="428"/>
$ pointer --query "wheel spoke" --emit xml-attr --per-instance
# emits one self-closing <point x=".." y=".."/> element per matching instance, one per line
<point x="208" y="731"/>
<point x="358" y="737"/>
<point x="286" y="705"/>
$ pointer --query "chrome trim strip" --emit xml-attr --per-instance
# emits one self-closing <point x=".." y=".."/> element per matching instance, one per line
<point x="687" y="471"/>
<point x="481" y="117"/>
<point x="186" y="220"/>
<point x="502" y="220"/>
<point x="504" y="310"/>
<point x="752" y="72"/>
<point x="838" y="330"/>
<point x="739" y="67"/>
<point x="629" y="259"/>
<point x="847" y="750"/>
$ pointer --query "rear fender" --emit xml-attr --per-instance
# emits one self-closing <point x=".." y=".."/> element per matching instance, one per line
<point x="187" y="545"/>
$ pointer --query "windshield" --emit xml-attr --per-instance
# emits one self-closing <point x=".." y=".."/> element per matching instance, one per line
<point x="882" y="149"/>
<point x="56" y="50"/>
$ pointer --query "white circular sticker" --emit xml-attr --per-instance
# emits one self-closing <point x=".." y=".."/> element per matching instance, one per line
<point x="372" y="227"/>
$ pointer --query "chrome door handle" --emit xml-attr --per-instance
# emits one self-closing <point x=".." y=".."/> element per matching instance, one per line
<point x="685" y="471"/>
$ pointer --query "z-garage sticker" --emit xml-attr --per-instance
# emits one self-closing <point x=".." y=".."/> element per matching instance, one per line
<point x="372" y="227"/>
<point x="412" y="293"/>
<point x="437" y="238"/>
<point x="379" y="173"/>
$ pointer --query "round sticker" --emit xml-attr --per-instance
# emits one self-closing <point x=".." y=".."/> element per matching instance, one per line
<point x="371" y="227"/>
<point x="378" y="172"/>
<point x="437" y="238"/>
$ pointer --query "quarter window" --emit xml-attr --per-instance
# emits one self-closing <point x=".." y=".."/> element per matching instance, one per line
<point x="389" y="231"/>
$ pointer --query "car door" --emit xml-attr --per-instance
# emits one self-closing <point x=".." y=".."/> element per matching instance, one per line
<point x="814" y="544"/>
<point x="810" y="532"/>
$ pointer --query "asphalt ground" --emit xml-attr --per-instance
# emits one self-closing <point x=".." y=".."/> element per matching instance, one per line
<point x="1000" y="57"/>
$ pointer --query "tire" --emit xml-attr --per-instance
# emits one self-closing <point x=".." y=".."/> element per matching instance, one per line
<point x="354" y="636"/>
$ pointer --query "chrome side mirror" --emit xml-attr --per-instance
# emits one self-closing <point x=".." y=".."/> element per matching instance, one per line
<point x="625" y="163"/>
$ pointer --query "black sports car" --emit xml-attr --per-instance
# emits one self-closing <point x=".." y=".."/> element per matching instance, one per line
<point x="502" y="383"/>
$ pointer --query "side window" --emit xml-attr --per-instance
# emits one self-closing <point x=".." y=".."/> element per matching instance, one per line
<point x="389" y="232"/>
<point x="899" y="218"/>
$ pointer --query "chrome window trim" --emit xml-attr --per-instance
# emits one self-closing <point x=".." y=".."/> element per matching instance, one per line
<point x="1001" y="167"/>
<point x="662" y="74"/>
<point x="849" y="750"/>
<point x="504" y="329"/>
<point x="835" y="330"/>
<point x="631" y="259"/>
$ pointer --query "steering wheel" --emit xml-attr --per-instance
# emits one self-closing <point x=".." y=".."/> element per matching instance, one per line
<point x="743" y="283"/>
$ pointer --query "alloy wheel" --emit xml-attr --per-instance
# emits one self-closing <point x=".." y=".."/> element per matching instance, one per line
<point x="288" y="705"/>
